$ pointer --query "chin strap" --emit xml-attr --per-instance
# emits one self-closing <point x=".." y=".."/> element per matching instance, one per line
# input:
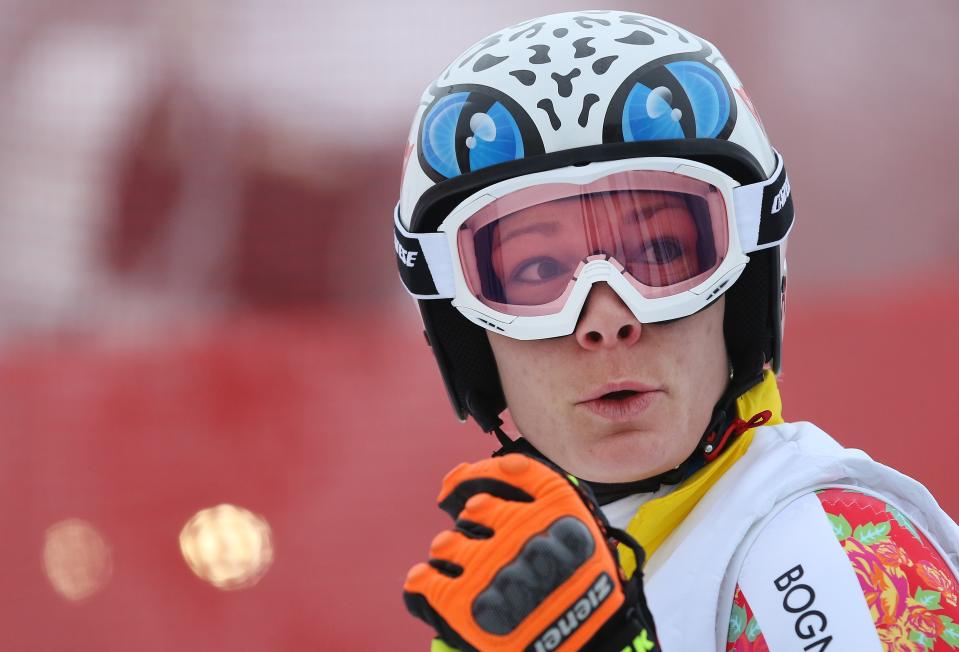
<point x="507" y="445"/>
<point x="712" y="449"/>
<point x="518" y="445"/>
<point x="725" y="416"/>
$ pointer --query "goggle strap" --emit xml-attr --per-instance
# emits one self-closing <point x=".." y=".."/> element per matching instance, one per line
<point x="764" y="211"/>
<point x="424" y="262"/>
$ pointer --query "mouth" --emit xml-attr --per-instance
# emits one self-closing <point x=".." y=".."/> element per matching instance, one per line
<point x="621" y="401"/>
<point x="618" y="395"/>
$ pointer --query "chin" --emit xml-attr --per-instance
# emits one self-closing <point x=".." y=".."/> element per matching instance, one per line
<point x="627" y="457"/>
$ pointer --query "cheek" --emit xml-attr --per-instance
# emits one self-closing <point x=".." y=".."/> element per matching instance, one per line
<point x="698" y="351"/>
<point x="529" y="376"/>
<point x="707" y="359"/>
<point x="539" y="380"/>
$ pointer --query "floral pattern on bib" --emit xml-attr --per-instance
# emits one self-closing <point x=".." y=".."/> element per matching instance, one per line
<point x="910" y="591"/>
<point x="744" y="632"/>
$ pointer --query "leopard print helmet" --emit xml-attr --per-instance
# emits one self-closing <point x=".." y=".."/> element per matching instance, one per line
<point x="571" y="89"/>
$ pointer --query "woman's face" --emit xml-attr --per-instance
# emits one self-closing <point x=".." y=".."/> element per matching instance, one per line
<point x="616" y="400"/>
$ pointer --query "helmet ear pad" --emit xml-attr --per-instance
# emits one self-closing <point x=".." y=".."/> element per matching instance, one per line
<point x="749" y="326"/>
<point x="466" y="363"/>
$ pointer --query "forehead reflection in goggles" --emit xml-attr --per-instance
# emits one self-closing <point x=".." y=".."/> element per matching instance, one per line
<point x="530" y="257"/>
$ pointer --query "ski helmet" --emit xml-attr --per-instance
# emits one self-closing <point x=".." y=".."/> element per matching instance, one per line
<point x="607" y="101"/>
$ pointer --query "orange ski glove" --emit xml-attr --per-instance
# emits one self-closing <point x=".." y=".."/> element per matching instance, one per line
<point x="529" y="565"/>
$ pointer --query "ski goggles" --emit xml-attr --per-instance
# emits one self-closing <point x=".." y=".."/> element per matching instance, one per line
<point x="667" y="235"/>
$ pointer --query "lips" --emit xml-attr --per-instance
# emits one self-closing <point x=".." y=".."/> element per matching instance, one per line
<point x="620" y="401"/>
<point x="622" y="390"/>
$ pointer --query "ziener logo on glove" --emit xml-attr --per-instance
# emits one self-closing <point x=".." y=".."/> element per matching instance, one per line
<point x="575" y="616"/>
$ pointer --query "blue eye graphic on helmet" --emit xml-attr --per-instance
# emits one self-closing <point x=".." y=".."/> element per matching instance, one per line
<point x="468" y="130"/>
<point x="707" y="93"/>
<point x="649" y="115"/>
<point x="679" y="99"/>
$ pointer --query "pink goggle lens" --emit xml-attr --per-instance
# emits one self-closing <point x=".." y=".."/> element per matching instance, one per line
<point x="522" y="252"/>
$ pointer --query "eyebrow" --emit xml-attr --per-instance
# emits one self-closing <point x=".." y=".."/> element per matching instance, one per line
<point x="644" y="212"/>
<point x="545" y="228"/>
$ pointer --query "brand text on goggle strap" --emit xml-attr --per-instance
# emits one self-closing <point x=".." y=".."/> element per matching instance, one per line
<point x="779" y="201"/>
<point x="575" y="616"/>
<point x="406" y="256"/>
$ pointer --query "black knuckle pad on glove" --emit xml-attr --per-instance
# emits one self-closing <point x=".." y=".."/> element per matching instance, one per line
<point x="545" y="562"/>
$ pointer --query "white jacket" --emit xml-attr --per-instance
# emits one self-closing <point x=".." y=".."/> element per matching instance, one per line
<point x="733" y="536"/>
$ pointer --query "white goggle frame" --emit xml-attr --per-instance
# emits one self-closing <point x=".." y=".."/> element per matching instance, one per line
<point x="440" y="250"/>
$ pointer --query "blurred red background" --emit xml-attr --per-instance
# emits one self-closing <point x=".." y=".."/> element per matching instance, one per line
<point x="198" y="300"/>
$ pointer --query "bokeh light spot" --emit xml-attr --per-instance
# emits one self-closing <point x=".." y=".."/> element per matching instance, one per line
<point x="227" y="546"/>
<point x="76" y="559"/>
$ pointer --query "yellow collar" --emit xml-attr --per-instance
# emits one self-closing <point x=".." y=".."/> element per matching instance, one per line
<point x="656" y="519"/>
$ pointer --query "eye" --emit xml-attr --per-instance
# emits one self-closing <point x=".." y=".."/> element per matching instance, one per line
<point x="680" y="99"/>
<point x="539" y="270"/>
<point x="662" y="251"/>
<point x="470" y="130"/>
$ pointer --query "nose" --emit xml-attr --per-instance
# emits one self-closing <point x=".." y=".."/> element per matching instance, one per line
<point x="606" y="322"/>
